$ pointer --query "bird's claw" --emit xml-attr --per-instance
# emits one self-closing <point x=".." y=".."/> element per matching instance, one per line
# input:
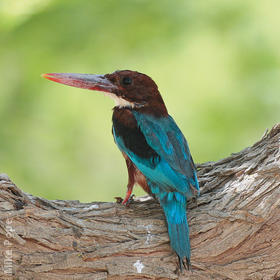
<point x="128" y="201"/>
<point x="125" y="202"/>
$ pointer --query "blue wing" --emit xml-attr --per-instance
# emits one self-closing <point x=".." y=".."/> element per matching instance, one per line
<point x="173" y="168"/>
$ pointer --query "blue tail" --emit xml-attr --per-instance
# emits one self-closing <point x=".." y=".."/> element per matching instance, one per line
<point x="174" y="206"/>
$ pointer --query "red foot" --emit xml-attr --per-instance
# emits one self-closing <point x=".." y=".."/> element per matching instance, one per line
<point x="127" y="197"/>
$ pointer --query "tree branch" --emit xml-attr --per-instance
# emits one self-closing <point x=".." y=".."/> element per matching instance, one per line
<point x="234" y="228"/>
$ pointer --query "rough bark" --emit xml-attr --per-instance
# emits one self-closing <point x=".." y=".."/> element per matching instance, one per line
<point x="234" y="228"/>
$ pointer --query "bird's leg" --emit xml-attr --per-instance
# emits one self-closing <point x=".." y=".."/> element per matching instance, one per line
<point x="128" y="197"/>
<point x="131" y="181"/>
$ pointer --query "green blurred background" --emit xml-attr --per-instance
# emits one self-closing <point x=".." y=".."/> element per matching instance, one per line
<point x="216" y="64"/>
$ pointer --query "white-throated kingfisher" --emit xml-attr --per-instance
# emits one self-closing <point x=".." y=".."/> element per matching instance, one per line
<point x="155" y="150"/>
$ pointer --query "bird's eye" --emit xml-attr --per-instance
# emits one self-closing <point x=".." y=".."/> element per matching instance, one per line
<point x="127" y="81"/>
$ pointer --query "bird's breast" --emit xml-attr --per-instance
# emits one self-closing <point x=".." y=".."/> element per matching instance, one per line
<point x="124" y="116"/>
<point x="126" y="128"/>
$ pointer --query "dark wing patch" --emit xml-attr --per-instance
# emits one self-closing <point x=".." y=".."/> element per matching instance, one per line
<point x="135" y="141"/>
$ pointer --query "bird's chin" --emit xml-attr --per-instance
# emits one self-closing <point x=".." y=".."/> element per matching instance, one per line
<point x="119" y="101"/>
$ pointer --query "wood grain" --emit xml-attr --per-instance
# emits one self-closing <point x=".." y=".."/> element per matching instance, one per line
<point x="234" y="228"/>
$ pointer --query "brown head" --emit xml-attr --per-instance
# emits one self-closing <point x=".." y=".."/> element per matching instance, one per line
<point x="128" y="89"/>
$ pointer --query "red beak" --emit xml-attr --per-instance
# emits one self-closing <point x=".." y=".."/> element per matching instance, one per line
<point x="87" y="81"/>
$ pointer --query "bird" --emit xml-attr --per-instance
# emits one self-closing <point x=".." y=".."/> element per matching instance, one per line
<point x="155" y="150"/>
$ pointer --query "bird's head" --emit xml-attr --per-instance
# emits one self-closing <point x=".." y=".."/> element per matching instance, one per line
<point x="128" y="88"/>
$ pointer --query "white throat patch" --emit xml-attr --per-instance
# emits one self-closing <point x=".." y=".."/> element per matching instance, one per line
<point x="120" y="102"/>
